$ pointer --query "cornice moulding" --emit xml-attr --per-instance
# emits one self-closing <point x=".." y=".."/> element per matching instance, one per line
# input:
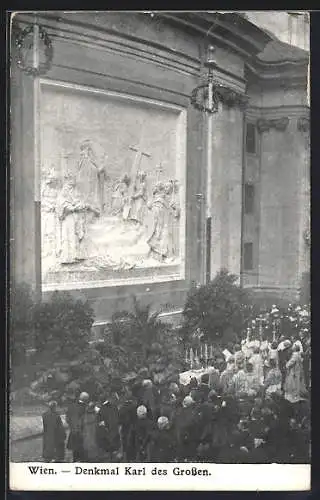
<point x="265" y="125"/>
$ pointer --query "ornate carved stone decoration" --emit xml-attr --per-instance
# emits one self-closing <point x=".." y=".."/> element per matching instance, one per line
<point x="24" y="45"/>
<point x="118" y="210"/>
<point x="231" y="98"/>
<point x="225" y="95"/>
<point x="303" y="124"/>
<point x="280" y="124"/>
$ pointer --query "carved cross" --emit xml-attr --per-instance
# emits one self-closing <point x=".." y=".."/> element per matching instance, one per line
<point x="159" y="171"/>
<point x="136" y="166"/>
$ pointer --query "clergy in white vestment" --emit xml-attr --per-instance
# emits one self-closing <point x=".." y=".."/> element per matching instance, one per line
<point x="257" y="361"/>
<point x="294" y="386"/>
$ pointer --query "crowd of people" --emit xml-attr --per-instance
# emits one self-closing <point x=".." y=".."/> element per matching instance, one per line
<point x="250" y="406"/>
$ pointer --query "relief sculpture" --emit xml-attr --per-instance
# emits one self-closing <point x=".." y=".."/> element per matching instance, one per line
<point x="109" y="207"/>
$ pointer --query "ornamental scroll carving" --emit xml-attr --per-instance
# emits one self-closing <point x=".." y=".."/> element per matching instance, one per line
<point x="280" y="124"/>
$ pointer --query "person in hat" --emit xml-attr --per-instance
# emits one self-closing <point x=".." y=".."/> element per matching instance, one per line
<point x="75" y="420"/>
<point x="108" y="432"/>
<point x="54" y="435"/>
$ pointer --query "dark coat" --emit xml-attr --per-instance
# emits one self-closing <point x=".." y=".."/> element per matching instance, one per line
<point x="163" y="446"/>
<point x="90" y="436"/>
<point x="127" y="417"/>
<point x="75" y="419"/>
<point x="108" y="436"/>
<point x="186" y="428"/>
<point x="143" y="430"/>
<point x="54" y="437"/>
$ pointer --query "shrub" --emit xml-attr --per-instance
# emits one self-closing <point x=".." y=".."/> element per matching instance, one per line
<point x="217" y="308"/>
<point x="21" y="322"/>
<point x="139" y="339"/>
<point x="62" y="326"/>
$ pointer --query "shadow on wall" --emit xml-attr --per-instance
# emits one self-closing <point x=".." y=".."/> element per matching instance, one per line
<point x="305" y="295"/>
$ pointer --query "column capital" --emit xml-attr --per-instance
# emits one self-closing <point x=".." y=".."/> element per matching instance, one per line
<point x="303" y="124"/>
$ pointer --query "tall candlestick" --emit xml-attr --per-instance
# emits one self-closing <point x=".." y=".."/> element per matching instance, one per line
<point x="206" y="352"/>
<point x="274" y="331"/>
<point x="260" y="330"/>
<point x="191" y="358"/>
<point x="248" y="334"/>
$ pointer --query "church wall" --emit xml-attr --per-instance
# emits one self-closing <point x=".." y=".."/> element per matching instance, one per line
<point x="282" y="186"/>
<point x="227" y="157"/>
<point x="171" y="82"/>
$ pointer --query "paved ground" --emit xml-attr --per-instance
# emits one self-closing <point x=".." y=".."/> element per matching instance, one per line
<point x="26" y="434"/>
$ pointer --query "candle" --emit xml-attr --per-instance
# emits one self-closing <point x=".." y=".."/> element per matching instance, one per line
<point x="248" y="334"/>
<point x="186" y="355"/>
<point x="206" y="352"/>
<point x="273" y="331"/>
<point x="201" y="351"/>
<point x="191" y="358"/>
<point x="211" y="351"/>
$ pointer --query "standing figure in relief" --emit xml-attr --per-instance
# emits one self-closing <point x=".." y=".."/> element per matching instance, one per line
<point x="172" y="190"/>
<point x="120" y="195"/>
<point x="72" y="212"/>
<point x="159" y="239"/>
<point x="138" y="202"/>
<point x="90" y="177"/>
<point x="49" y="218"/>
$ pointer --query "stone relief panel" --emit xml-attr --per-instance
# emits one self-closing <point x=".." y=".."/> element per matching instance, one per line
<point x="112" y="188"/>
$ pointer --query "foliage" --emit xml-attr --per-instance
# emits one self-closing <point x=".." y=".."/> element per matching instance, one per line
<point x="21" y="321"/>
<point x="62" y="325"/>
<point x="138" y="339"/>
<point x="217" y="308"/>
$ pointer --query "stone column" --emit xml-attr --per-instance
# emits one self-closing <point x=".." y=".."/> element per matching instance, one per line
<point x="227" y="137"/>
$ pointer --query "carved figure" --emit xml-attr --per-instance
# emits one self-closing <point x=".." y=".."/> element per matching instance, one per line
<point x="172" y="190"/>
<point x="138" y="202"/>
<point x="50" y="235"/>
<point x="91" y="177"/>
<point x="159" y="239"/>
<point x="120" y="195"/>
<point x="71" y="212"/>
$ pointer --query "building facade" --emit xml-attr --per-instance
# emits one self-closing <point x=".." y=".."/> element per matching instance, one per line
<point x="110" y="156"/>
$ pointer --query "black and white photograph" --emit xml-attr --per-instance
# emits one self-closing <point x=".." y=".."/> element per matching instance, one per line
<point x="160" y="312"/>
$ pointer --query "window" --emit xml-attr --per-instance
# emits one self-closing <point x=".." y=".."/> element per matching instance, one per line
<point x="250" y="138"/>
<point x="248" y="198"/>
<point x="248" y="257"/>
